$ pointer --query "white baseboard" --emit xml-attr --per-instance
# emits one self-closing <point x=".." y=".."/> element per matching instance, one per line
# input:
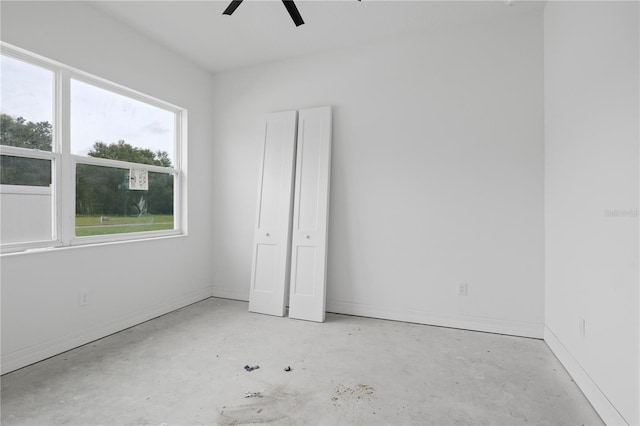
<point x="225" y="293"/>
<point x="490" y="325"/>
<point x="589" y="388"/>
<point x="41" y="351"/>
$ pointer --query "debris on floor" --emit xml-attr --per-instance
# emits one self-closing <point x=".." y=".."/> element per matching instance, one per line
<point x="366" y="388"/>
<point x="253" y="395"/>
<point x="287" y="368"/>
<point x="345" y="396"/>
<point x="249" y="368"/>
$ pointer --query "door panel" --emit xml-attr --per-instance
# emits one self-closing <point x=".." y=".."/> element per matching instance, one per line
<point x="272" y="233"/>
<point x="305" y="267"/>
<point x="311" y="208"/>
<point x="307" y="188"/>
<point x="266" y="261"/>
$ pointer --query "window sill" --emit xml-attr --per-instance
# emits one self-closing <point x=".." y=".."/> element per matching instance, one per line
<point x="57" y="246"/>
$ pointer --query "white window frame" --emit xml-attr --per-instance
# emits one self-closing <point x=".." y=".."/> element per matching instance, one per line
<point x="64" y="163"/>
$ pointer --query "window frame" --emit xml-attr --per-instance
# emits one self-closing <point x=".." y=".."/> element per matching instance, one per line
<point x="63" y="163"/>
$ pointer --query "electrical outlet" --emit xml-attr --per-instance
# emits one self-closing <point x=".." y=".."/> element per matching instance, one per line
<point x="462" y="289"/>
<point x="84" y="299"/>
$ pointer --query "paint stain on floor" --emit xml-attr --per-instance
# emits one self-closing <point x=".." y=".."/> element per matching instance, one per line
<point x="347" y="395"/>
<point x="271" y="406"/>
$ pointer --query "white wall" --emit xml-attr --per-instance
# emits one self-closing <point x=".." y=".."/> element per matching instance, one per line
<point x="591" y="169"/>
<point x="127" y="283"/>
<point x="437" y="173"/>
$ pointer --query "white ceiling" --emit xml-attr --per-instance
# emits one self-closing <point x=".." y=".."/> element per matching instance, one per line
<point x="262" y="31"/>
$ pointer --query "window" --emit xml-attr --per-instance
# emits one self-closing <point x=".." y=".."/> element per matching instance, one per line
<point x="83" y="160"/>
<point x="137" y="133"/>
<point x="26" y="161"/>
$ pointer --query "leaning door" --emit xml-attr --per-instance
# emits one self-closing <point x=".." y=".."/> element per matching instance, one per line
<point x="271" y="244"/>
<point x="310" y="215"/>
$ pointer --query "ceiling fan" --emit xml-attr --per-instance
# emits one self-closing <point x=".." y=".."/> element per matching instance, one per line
<point x="288" y="4"/>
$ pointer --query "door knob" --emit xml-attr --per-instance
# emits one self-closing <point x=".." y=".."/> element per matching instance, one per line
<point x="307" y="237"/>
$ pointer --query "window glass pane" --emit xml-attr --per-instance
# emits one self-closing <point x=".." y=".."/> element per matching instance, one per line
<point x="109" y="125"/>
<point x="106" y="205"/>
<point x="24" y="171"/>
<point x="26" y="104"/>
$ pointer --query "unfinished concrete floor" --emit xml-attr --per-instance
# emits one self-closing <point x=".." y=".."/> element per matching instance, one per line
<point x="187" y="368"/>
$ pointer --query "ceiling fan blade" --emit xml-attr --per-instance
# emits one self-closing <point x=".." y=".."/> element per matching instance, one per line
<point x="232" y="7"/>
<point x="293" y="12"/>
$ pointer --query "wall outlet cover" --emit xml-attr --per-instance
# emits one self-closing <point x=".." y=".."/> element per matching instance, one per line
<point x="461" y="289"/>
